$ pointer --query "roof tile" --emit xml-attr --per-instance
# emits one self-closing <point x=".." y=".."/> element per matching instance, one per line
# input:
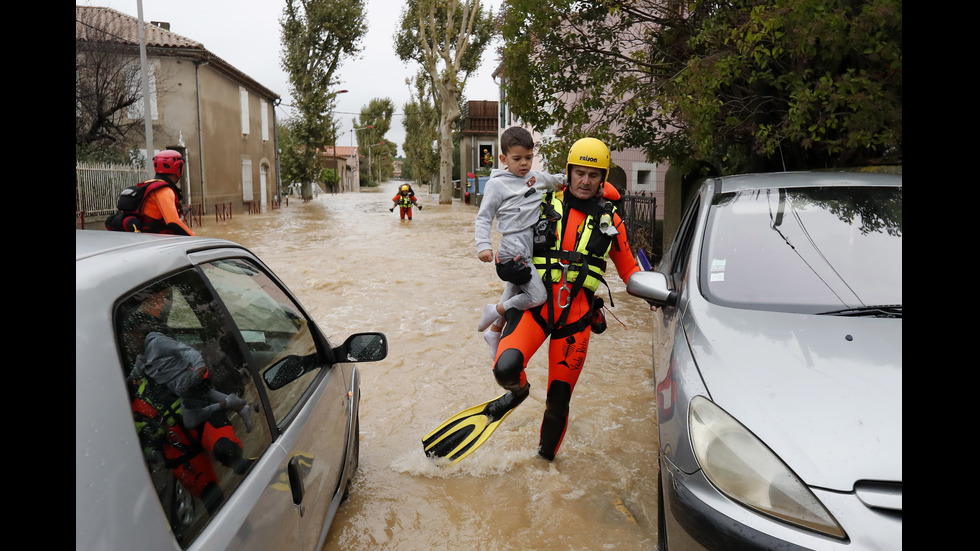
<point x="107" y="24"/>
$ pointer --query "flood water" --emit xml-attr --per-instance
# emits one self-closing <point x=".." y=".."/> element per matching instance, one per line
<point x="355" y="266"/>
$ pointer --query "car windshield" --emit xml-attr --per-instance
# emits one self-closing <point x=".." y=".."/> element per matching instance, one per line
<point x="810" y="250"/>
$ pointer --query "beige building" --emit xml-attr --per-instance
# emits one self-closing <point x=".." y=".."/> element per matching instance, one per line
<point x="219" y="118"/>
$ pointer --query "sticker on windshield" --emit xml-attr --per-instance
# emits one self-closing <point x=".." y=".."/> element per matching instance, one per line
<point x="717" y="269"/>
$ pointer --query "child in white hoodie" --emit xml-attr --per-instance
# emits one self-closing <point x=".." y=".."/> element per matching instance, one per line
<point x="512" y="196"/>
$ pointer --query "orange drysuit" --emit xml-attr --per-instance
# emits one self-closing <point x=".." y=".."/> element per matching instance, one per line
<point x="566" y="318"/>
<point x="161" y="208"/>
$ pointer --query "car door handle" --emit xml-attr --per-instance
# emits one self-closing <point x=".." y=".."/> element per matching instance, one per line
<point x="296" y="484"/>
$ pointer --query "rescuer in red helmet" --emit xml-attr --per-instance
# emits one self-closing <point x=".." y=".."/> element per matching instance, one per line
<point x="161" y="207"/>
<point x="153" y="206"/>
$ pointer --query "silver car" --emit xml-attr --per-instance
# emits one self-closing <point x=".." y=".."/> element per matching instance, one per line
<point x="210" y="411"/>
<point x="778" y="364"/>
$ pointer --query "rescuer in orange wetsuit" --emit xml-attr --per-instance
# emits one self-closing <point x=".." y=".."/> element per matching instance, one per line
<point x="160" y="212"/>
<point x="581" y="230"/>
<point x="404" y="201"/>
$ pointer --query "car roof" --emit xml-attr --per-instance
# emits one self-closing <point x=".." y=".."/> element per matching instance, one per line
<point x="89" y="243"/>
<point x="805" y="179"/>
<point x="106" y="260"/>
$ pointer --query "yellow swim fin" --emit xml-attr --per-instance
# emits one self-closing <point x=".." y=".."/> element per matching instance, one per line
<point x="464" y="432"/>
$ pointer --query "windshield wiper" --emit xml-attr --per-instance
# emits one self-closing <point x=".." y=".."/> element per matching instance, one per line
<point x="880" y="311"/>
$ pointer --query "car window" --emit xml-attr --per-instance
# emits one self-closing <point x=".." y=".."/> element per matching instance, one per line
<point x="274" y="329"/>
<point x="804" y="249"/>
<point x="195" y="405"/>
<point x="680" y="254"/>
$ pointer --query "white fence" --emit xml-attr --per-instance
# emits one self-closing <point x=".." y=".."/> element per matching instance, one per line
<point x="97" y="187"/>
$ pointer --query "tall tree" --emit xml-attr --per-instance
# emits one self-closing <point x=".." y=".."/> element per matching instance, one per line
<point x="377" y="114"/>
<point x="290" y="153"/>
<point x="108" y="90"/>
<point x="421" y="130"/>
<point x="447" y="38"/>
<point x="741" y="84"/>
<point x="317" y="35"/>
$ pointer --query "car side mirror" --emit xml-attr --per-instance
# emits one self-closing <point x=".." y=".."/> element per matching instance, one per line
<point x="287" y="370"/>
<point x="359" y="347"/>
<point x="362" y="347"/>
<point x="652" y="287"/>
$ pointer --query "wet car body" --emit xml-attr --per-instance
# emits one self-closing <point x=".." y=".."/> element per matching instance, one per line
<point x="223" y="301"/>
<point x="778" y="365"/>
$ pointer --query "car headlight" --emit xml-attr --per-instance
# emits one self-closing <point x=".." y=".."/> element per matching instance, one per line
<point x="744" y="469"/>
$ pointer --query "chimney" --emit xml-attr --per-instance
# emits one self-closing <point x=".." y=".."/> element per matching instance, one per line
<point x="162" y="24"/>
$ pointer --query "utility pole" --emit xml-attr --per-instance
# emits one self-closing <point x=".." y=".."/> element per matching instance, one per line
<point x="147" y="115"/>
<point x="336" y="165"/>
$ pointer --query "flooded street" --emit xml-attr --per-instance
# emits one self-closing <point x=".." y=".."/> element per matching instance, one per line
<point x="356" y="267"/>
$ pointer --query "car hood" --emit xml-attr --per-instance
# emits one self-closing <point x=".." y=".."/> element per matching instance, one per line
<point x="823" y="392"/>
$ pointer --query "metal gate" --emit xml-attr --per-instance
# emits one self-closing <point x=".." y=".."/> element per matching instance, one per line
<point x="639" y="214"/>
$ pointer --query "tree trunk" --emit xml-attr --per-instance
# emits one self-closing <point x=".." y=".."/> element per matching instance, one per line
<point x="450" y="111"/>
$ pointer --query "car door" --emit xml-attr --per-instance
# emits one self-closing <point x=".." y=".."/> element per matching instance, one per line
<point x="242" y="323"/>
<point x="667" y="333"/>
<point x="308" y="404"/>
<point x="200" y="471"/>
<point x="675" y="267"/>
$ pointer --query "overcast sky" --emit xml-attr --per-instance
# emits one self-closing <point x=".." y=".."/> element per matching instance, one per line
<point x="246" y="34"/>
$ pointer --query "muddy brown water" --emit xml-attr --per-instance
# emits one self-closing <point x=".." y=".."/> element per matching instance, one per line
<point x="355" y="266"/>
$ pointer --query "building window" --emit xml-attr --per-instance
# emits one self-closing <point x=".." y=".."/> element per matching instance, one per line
<point x="246" y="179"/>
<point x="645" y="177"/>
<point x="243" y="95"/>
<point x="135" y="111"/>
<point x="264" y="106"/>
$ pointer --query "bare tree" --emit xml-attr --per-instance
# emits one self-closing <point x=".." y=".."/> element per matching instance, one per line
<point x="447" y="38"/>
<point x="108" y="90"/>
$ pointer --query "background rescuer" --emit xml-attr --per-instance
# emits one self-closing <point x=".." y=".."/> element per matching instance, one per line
<point x="404" y="201"/>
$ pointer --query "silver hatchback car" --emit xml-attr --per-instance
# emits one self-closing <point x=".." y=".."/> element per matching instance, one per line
<point x="778" y="364"/>
<point x="210" y="411"/>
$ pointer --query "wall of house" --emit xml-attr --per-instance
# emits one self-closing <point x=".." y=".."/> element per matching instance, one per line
<point x="176" y="124"/>
<point x="228" y="147"/>
<point x="215" y="147"/>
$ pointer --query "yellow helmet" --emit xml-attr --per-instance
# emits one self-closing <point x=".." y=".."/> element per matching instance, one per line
<point x="588" y="152"/>
<point x="403" y="188"/>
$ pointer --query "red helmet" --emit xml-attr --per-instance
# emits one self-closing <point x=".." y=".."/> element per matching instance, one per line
<point x="169" y="162"/>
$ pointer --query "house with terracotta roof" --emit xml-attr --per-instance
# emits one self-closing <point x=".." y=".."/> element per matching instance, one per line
<point x="219" y="118"/>
<point x="345" y="161"/>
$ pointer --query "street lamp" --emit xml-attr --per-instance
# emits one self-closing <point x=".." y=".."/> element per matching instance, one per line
<point x="380" y="165"/>
<point x="333" y="159"/>
<point x="352" y="130"/>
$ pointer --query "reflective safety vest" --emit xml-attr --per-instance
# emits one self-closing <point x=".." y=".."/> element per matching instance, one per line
<point x="591" y="245"/>
<point x="404" y="201"/>
<point x="158" y="425"/>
